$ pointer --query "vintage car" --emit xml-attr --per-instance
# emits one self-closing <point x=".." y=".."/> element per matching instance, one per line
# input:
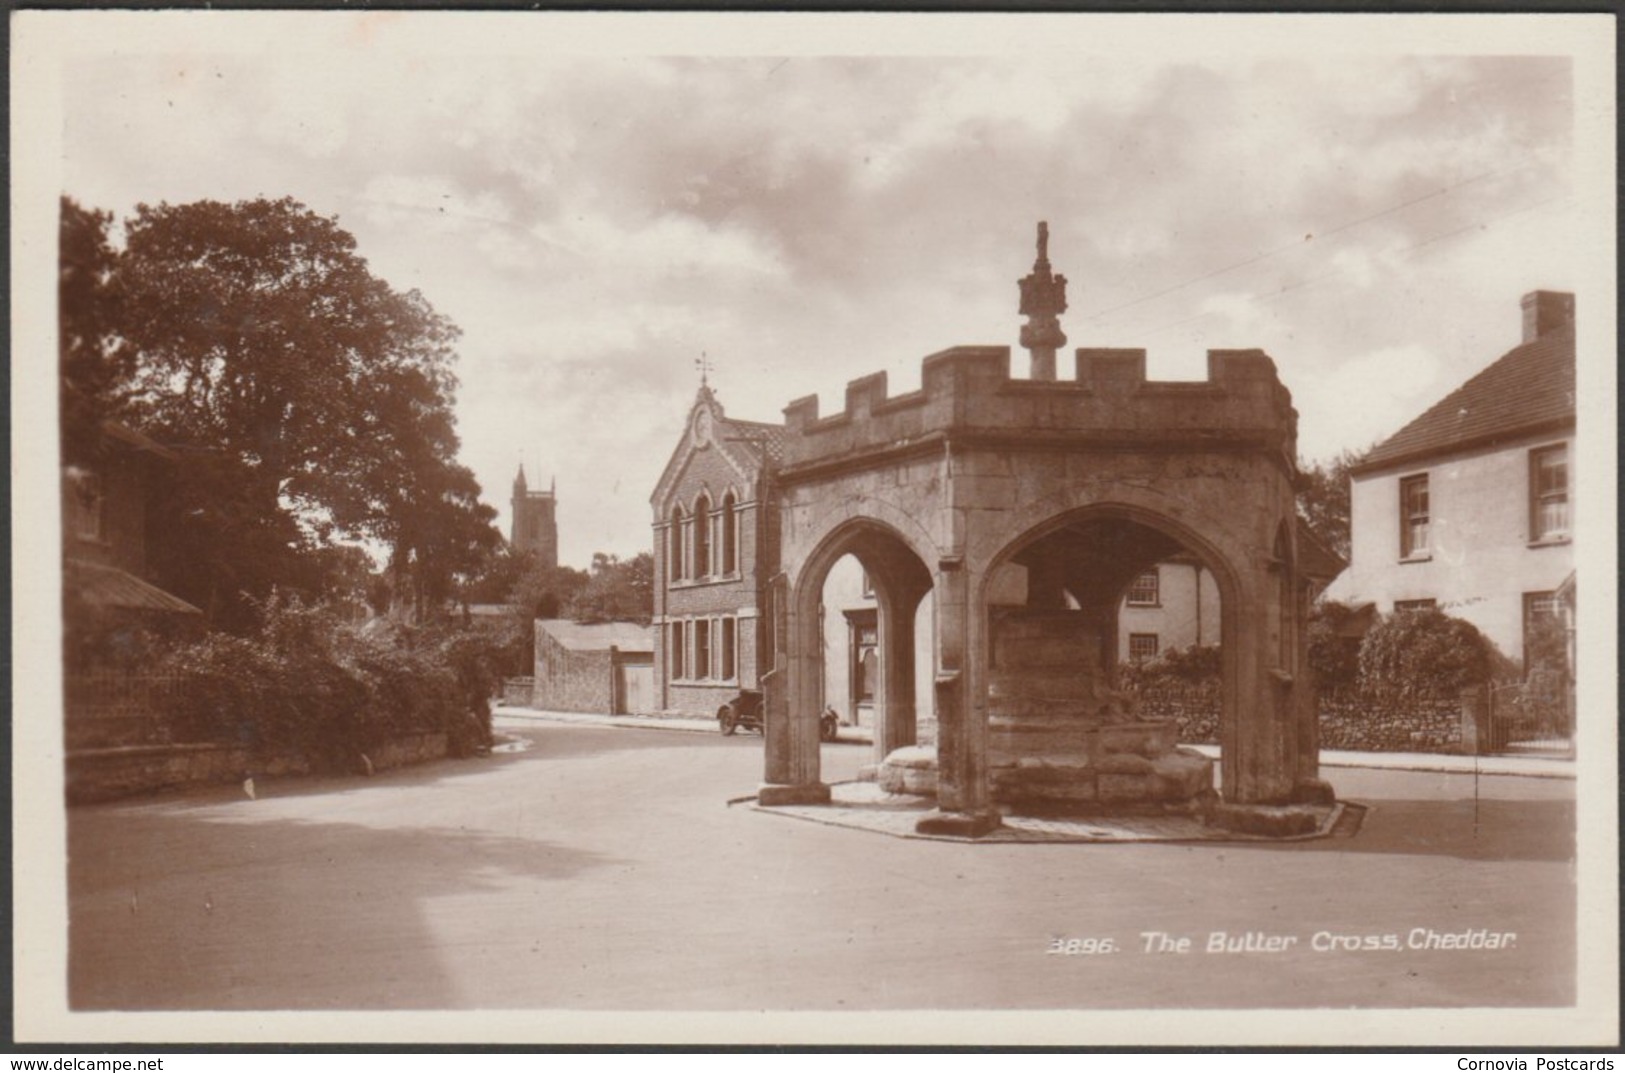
<point x="745" y="711"/>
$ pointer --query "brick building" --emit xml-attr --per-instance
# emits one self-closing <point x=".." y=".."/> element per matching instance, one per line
<point x="715" y="551"/>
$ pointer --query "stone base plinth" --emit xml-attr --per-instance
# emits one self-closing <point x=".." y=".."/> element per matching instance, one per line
<point x="1270" y="821"/>
<point x="1313" y="792"/>
<point x="1059" y="737"/>
<point x="910" y="770"/>
<point x="958" y="824"/>
<point x="815" y="793"/>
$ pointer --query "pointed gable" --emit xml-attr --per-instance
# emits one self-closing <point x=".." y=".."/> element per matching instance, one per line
<point x="731" y="452"/>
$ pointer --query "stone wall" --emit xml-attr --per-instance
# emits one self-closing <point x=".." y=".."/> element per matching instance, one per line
<point x="1348" y="721"/>
<point x="568" y="681"/>
<point x="106" y="774"/>
<point x="518" y="691"/>
<point x="970" y="388"/>
<point x="1194" y="706"/>
<point x="1360" y="724"/>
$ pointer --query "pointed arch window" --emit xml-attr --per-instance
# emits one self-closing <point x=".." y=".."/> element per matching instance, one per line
<point x="702" y="536"/>
<point x="730" y="535"/>
<point x="674" y="551"/>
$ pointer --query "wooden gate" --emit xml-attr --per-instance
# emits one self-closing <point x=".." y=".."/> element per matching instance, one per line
<point x="634" y="687"/>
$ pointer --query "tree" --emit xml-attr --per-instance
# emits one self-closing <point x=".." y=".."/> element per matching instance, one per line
<point x="257" y="332"/>
<point x="616" y="591"/>
<point x="1323" y="499"/>
<point x="545" y="591"/>
<point x="94" y="363"/>
<point x="1333" y="648"/>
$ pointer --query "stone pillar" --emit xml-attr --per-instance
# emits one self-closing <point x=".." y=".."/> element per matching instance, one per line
<point x="963" y="806"/>
<point x="896" y="728"/>
<point x="1475" y="727"/>
<point x="790" y="694"/>
<point x="1257" y="758"/>
<point x="1311" y="788"/>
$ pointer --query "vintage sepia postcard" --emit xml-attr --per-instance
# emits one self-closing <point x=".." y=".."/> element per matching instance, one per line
<point x="788" y="528"/>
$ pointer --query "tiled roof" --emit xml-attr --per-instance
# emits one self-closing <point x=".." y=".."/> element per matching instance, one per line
<point x="107" y="586"/>
<point x="1315" y="559"/>
<point x="136" y="439"/>
<point x="597" y="636"/>
<point x="1529" y="387"/>
<point x="766" y="437"/>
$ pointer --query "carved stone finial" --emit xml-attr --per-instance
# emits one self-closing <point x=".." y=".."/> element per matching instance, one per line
<point x="1043" y="299"/>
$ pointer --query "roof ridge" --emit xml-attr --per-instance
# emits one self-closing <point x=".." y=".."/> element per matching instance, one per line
<point x="1528" y="386"/>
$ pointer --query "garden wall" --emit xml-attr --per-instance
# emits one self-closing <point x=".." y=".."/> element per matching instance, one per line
<point x="106" y="774"/>
<point x="1347" y="721"/>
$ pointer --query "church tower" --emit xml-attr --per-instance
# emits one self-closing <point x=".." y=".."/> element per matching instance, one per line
<point x="535" y="522"/>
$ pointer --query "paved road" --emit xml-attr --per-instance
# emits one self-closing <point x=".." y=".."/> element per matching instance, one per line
<point x="601" y="869"/>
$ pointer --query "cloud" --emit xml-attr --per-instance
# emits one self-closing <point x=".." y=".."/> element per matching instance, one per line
<point x="1367" y="398"/>
<point x="594" y="222"/>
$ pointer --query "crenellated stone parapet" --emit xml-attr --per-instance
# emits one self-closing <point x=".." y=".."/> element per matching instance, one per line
<point x="968" y="393"/>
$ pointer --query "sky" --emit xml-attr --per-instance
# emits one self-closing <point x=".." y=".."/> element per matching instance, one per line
<point x="597" y="201"/>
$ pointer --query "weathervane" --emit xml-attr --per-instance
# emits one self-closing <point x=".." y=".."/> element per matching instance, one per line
<point x="703" y="364"/>
<point x="1043" y="299"/>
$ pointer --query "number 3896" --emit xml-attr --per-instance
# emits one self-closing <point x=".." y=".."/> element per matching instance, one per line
<point x="1082" y="946"/>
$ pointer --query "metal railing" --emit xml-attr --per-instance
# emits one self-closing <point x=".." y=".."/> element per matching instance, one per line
<point x="1533" y="717"/>
<point x="104" y="709"/>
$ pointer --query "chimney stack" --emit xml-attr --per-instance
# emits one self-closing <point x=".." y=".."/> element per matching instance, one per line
<point x="1545" y="312"/>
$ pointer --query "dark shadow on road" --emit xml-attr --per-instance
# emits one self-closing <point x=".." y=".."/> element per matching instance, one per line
<point x="175" y="909"/>
<point x="1488" y="830"/>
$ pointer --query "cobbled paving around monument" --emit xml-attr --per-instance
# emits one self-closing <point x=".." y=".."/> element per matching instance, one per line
<point x="865" y="806"/>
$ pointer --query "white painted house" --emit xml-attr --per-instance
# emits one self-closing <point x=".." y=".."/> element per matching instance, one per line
<point x="1174" y="604"/>
<point x="1468" y="507"/>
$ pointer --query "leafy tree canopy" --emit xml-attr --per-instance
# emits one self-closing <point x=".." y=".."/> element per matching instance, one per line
<point x="256" y="331"/>
<point x="1323" y="499"/>
<point x="616" y="591"/>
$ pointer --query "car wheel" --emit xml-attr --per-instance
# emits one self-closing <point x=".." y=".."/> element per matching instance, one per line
<point x="725" y="719"/>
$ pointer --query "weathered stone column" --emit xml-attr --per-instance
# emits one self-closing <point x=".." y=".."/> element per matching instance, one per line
<point x="963" y="806"/>
<point x="897" y="724"/>
<point x="1310" y="787"/>
<point x="790" y="708"/>
<point x="1475" y="735"/>
<point x="1258" y="749"/>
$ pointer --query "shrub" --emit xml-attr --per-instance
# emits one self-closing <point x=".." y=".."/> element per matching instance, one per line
<point x="1546" y="647"/>
<point x="1424" y="654"/>
<point x="307" y="683"/>
<point x="1196" y="664"/>
<point x="1333" y="657"/>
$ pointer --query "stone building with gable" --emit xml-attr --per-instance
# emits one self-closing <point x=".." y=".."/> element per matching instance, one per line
<point x="1023" y="510"/>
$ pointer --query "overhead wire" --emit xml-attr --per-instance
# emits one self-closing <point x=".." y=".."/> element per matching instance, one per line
<point x="1299" y="244"/>
<point x="1397" y="252"/>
